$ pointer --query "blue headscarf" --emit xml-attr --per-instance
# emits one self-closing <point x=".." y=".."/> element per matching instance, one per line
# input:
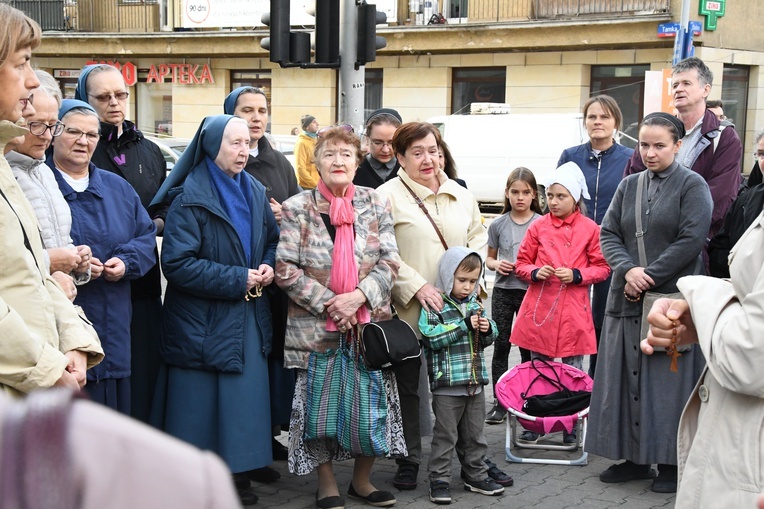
<point x="69" y="104"/>
<point x="230" y="101"/>
<point x="81" y="91"/>
<point x="206" y="143"/>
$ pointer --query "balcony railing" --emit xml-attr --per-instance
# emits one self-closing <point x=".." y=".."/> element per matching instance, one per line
<point x="92" y="15"/>
<point x="146" y="16"/>
<point x="482" y="11"/>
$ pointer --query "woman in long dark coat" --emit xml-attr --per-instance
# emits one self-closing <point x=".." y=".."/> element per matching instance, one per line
<point x="218" y="255"/>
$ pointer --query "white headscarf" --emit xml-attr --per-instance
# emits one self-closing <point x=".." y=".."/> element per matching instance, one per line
<point x="572" y="178"/>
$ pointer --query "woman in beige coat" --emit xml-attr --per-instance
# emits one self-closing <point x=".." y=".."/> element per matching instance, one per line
<point x="45" y="342"/>
<point x="456" y="216"/>
<point x="720" y="449"/>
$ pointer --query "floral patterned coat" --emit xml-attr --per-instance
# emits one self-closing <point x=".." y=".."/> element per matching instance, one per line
<point x="304" y="261"/>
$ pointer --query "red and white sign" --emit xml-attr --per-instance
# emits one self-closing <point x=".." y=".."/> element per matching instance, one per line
<point x="183" y="74"/>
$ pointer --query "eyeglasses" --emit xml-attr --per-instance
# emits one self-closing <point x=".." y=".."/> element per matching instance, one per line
<point x="39" y="128"/>
<point x="71" y="132"/>
<point x="105" y="98"/>
<point x="758" y="155"/>
<point x="381" y="143"/>
<point x="344" y="127"/>
<point x="27" y="101"/>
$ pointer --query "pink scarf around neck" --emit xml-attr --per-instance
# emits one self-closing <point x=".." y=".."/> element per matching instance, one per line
<point x="344" y="275"/>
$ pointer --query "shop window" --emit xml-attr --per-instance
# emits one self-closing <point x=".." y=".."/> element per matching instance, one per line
<point x="153" y="105"/>
<point x="372" y="91"/>
<point x="257" y="79"/>
<point x="735" y="96"/>
<point x="625" y="84"/>
<point x="477" y="85"/>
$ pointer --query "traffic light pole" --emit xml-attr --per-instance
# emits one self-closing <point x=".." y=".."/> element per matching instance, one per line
<point x="352" y="79"/>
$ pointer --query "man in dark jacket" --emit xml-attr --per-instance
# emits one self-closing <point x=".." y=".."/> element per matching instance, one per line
<point x="273" y="171"/>
<point x="123" y="150"/>
<point x="380" y="164"/>
<point x="711" y="147"/>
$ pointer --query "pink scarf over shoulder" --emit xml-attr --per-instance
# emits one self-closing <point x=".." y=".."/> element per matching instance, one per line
<point x="344" y="274"/>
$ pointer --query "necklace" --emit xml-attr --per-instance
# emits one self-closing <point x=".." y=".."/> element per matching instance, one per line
<point x="551" y="309"/>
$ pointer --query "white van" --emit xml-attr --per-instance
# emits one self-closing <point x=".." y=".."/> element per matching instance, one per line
<point x="487" y="148"/>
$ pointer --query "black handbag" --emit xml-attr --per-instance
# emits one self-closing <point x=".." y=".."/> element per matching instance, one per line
<point x="388" y="342"/>
<point x="559" y="403"/>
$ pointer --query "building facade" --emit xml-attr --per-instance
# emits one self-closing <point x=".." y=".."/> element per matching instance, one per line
<point x="537" y="55"/>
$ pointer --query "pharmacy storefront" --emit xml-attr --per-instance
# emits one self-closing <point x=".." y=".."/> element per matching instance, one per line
<point x="152" y="88"/>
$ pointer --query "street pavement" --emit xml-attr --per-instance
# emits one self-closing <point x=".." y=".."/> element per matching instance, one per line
<point x="536" y="485"/>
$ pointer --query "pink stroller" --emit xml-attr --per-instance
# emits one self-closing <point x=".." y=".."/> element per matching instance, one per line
<point x="522" y="379"/>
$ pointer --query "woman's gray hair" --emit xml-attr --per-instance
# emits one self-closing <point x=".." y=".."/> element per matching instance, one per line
<point x="49" y="85"/>
<point x="759" y="136"/>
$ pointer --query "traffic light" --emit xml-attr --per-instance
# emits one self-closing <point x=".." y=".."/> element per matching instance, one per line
<point x="278" y="22"/>
<point x="368" y="42"/>
<point x="327" y="31"/>
<point x="292" y="49"/>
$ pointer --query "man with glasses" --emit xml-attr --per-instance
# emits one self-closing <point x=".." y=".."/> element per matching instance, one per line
<point x="380" y="164"/>
<point x="307" y="174"/>
<point x="717" y="108"/>
<point x="123" y="150"/>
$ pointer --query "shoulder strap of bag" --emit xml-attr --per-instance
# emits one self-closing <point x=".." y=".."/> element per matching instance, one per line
<point x="641" y="183"/>
<point x="724" y="124"/>
<point x="426" y="213"/>
<point x="555" y="383"/>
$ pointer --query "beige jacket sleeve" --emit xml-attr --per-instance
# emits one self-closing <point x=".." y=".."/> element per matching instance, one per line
<point x="27" y="362"/>
<point x="75" y="332"/>
<point x="729" y="316"/>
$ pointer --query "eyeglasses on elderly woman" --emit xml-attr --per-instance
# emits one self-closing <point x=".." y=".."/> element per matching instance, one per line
<point x="39" y="128"/>
<point x="76" y="134"/>
<point x="345" y="127"/>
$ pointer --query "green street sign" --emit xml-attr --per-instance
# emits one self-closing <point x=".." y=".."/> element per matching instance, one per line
<point x="712" y="10"/>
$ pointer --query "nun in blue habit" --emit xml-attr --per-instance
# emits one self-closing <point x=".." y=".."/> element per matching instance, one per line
<point x="218" y="254"/>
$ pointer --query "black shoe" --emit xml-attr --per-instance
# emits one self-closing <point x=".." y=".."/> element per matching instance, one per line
<point x="569" y="438"/>
<point x="496" y="414"/>
<point x="495" y="473"/>
<point x="440" y="492"/>
<point x="485" y="487"/>
<point x="405" y="478"/>
<point x="265" y="475"/>
<point x="375" y="498"/>
<point x="334" y="502"/>
<point x="244" y="490"/>
<point x="280" y="452"/>
<point x="241" y="481"/>
<point x="626" y="471"/>
<point x="665" y="482"/>
<point x="498" y="475"/>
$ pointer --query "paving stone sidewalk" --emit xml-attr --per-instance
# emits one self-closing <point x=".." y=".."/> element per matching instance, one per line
<point x="538" y="486"/>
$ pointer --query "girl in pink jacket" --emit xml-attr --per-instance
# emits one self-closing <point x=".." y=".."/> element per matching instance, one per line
<point x="560" y="257"/>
